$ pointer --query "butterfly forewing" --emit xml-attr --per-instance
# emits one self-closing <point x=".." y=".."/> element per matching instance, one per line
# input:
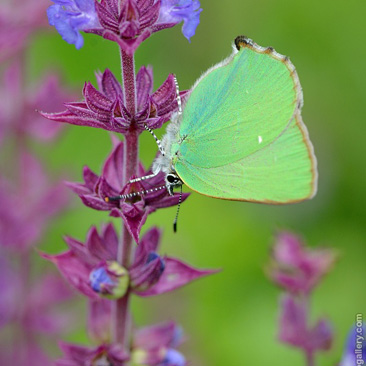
<point x="243" y="134"/>
<point x="237" y="108"/>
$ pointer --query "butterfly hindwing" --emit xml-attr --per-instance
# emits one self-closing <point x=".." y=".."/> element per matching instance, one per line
<point x="282" y="172"/>
<point x="242" y="134"/>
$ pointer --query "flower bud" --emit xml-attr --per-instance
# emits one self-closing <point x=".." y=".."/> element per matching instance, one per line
<point x="110" y="280"/>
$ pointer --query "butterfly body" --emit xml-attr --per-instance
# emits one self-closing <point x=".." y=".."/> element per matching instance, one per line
<point x="241" y="135"/>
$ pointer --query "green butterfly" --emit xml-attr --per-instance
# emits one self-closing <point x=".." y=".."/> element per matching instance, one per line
<point x="240" y="135"/>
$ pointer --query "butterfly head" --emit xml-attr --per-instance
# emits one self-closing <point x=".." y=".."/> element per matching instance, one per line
<point x="172" y="180"/>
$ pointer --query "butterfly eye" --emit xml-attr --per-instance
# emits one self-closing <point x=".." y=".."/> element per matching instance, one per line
<point x="171" y="178"/>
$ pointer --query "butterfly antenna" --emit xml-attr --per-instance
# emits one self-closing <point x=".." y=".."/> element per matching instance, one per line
<point x="158" y="142"/>
<point x="179" y="100"/>
<point x="133" y="194"/>
<point x="176" y="215"/>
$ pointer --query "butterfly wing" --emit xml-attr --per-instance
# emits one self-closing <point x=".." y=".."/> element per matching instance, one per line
<point x="282" y="172"/>
<point x="242" y="134"/>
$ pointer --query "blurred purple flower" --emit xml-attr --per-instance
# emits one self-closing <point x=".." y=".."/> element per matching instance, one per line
<point x="134" y="212"/>
<point x="69" y="17"/>
<point x="151" y="346"/>
<point x="33" y="123"/>
<point x="148" y="277"/>
<point x="294" y="328"/>
<point x="155" y="346"/>
<point x="104" y="355"/>
<point x="175" y="11"/>
<point x="99" y="320"/>
<point x="36" y="312"/>
<point x="18" y="354"/>
<point x="297" y="269"/>
<point x="19" y="116"/>
<point x="9" y="290"/>
<point x="105" y="108"/>
<point x="35" y="315"/>
<point x="25" y="207"/>
<point x="46" y="295"/>
<point x="17" y="26"/>
<point x="355" y="349"/>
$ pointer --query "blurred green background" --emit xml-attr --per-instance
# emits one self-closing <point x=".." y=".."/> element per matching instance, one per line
<point x="231" y="318"/>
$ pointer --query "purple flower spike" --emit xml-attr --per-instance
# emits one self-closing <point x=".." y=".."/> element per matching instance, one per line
<point x="176" y="11"/>
<point x="69" y="17"/>
<point x="81" y="266"/>
<point x="24" y="118"/>
<point x="26" y="205"/>
<point x="9" y="289"/>
<point x="297" y="269"/>
<point x="295" y="331"/>
<point x="355" y="350"/>
<point x="95" y="190"/>
<point x="35" y="315"/>
<point x="105" y="108"/>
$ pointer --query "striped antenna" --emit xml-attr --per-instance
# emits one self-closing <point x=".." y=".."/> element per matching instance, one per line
<point x="176" y="215"/>
<point x="139" y="179"/>
<point x="133" y="194"/>
<point x="179" y="100"/>
<point x="158" y="142"/>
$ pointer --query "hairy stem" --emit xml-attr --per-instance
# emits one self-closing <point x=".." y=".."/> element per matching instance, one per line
<point x="128" y="76"/>
<point x="121" y="313"/>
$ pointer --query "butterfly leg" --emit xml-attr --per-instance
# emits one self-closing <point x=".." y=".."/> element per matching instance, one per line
<point x="133" y="194"/>
<point x="139" y="179"/>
